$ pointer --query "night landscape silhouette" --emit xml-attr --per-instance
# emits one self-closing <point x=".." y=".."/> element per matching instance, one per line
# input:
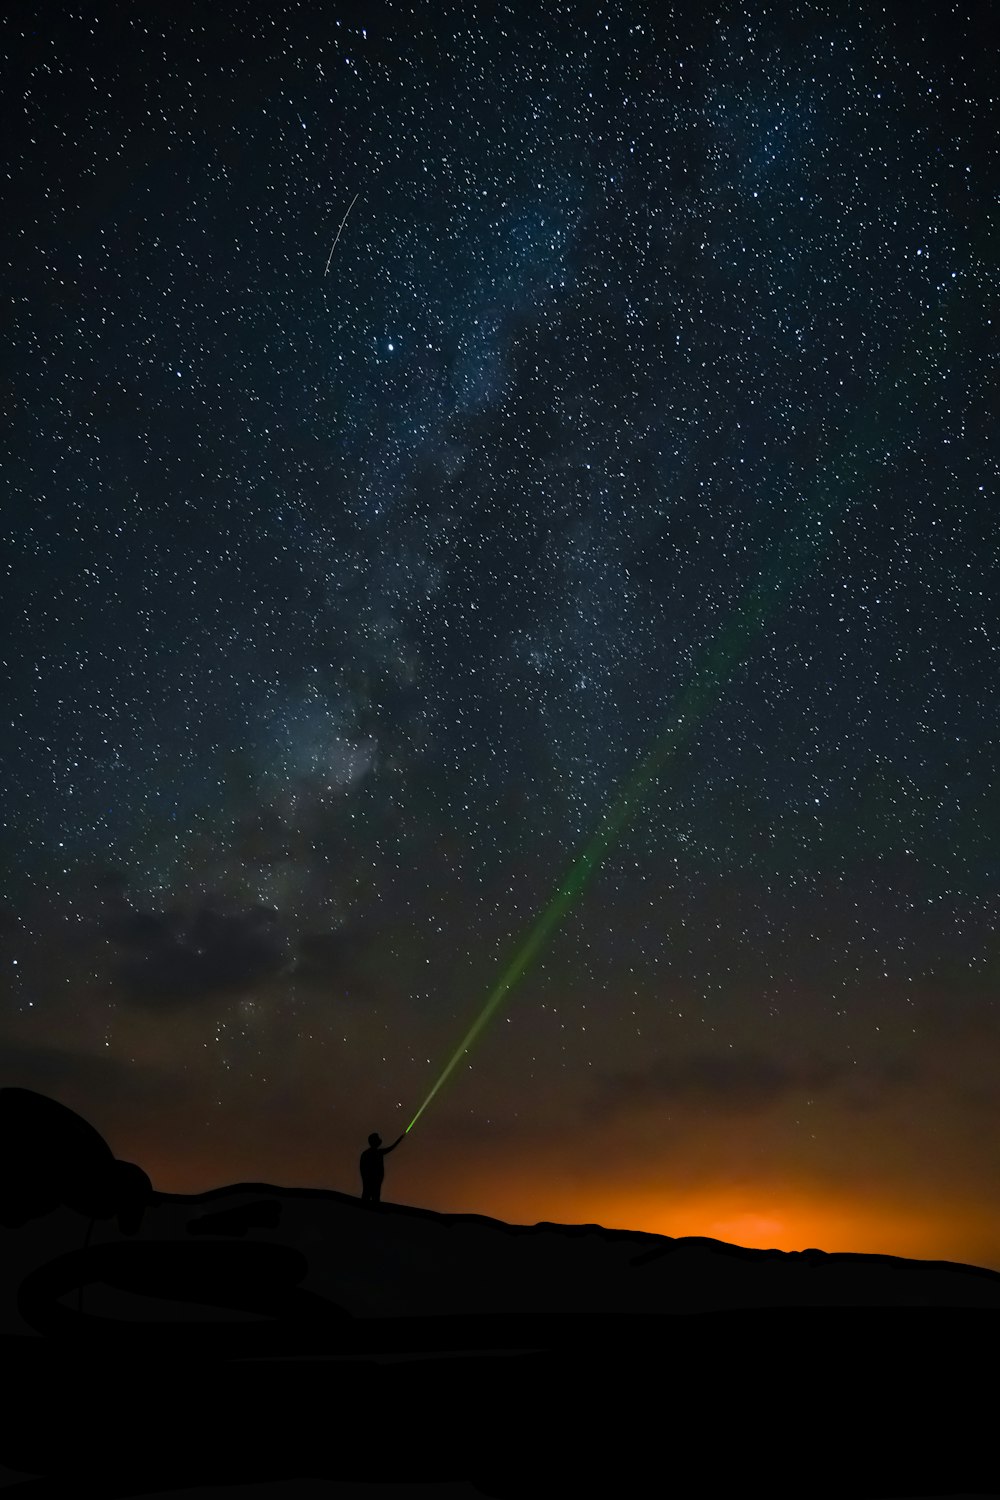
<point x="221" y="1342"/>
<point x="500" y="632"/>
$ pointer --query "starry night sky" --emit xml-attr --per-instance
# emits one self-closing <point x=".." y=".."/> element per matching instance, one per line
<point x="342" y="592"/>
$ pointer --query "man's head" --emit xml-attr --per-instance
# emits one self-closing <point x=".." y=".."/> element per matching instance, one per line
<point x="374" y="1139"/>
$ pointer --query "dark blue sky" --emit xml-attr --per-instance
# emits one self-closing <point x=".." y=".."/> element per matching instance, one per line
<point x="344" y="591"/>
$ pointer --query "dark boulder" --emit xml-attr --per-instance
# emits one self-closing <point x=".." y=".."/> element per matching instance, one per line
<point x="51" y="1156"/>
<point x="132" y="1191"/>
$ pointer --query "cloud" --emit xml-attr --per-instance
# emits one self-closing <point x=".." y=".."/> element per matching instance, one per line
<point x="76" y="1077"/>
<point x="200" y="946"/>
<point x="181" y="956"/>
<point x="737" y="1083"/>
<point x="332" y="962"/>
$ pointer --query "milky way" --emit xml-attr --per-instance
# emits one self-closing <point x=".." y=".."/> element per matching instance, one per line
<point x="399" y="408"/>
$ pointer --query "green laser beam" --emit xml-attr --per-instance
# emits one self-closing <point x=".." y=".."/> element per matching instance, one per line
<point x="714" y="671"/>
<point x="704" y="690"/>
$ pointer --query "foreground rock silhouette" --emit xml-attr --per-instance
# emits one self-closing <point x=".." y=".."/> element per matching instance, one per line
<point x="52" y="1157"/>
<point x="256" y="1334"/>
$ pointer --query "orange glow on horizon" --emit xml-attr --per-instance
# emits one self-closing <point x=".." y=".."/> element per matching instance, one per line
<point x="774" y="1219"/>
<point x="765" y="1216"/>
<point x="768" y="1214"/>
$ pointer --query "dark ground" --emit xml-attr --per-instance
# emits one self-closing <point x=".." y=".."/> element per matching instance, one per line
<point x="257" y="1341"/>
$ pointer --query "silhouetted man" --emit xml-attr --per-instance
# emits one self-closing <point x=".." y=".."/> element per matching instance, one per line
<point x="373" y="1168"/>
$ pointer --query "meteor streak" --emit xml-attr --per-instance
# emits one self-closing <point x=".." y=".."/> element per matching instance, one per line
<point x="339" y="232"/>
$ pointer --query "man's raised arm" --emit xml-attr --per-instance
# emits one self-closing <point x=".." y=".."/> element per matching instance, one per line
<point x="387" y="1149"/>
